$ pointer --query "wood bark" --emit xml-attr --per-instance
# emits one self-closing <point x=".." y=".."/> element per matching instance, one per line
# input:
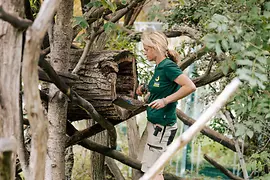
<point x="60" y="43"/>
<point x="133" y="136"/>
<point x="10" y="63"/>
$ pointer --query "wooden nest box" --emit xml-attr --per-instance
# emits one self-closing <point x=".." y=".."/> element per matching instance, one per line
<point x="103" y="77"/>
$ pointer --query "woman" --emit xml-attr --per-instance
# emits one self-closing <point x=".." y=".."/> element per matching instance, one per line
<point x="166" y="87"/>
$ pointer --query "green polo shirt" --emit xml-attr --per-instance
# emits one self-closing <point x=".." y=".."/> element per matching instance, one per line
<point x="160" y="86"/>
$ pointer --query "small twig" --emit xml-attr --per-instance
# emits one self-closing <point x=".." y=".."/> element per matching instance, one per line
<point x="237" y="147"/>
<point x="263" y="148"/>
<point x="15" y="21"/>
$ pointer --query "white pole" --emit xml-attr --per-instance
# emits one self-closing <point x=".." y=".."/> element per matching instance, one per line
<point x="193" y="130"/>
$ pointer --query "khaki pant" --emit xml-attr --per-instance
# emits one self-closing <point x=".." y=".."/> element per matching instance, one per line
<point x="159" y="137"/>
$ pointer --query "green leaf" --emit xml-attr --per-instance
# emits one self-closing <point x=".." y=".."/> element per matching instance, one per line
<point x="220" y="18"/>
<point x="79" y="20"/>
<point x="262" y="59"/>
<point x="210" y="40"/>
<point x="266" y="14"/>
<point x="218" y="49"/>
<point x="245" y="62"/>
<point x="94" y="3"/>
<point x="109" y="26"/>
<point x="261" y="77"/>
<point x="250" y="133"/>
<point x="240" y="130"/>
<point x="233" y="65"/>
<point x="225" y="68"/>
<point x="267" y="5"/>
<point x="124" y="2"/>
<point x="212" y="25"/>
<point x="224" y="44"/>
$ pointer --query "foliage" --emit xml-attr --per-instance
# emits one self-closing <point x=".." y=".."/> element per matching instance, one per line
<point x="238" y="33"/>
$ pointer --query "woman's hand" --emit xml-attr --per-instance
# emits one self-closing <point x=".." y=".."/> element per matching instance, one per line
<point x="139" y="90"/>
<point x="142" y="89"/>
<point x="158" y="103"/>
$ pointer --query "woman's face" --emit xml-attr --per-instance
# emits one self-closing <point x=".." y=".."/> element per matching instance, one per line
<point x="149" y="52"/>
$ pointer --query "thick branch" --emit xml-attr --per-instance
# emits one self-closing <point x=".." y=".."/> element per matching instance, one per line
<point x="212" y="77"/>
<point x="80" y="135"/>
<point x="76" y="99"/>
<point x="191" y="58"/>
<point x="207" y="131"/>
<point x="114" y="169"/>
<point x="88" y="144"/>
<point x="221" y="168"/>
<point x="15" y="21"/>
<point x="184" y="31"/>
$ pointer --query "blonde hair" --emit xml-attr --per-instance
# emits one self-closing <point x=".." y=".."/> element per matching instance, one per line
<point x="159" y="42"/>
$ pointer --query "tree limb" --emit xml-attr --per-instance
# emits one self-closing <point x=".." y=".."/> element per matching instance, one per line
<point x="207" y="131"/>
<point x="88" y="144"/>
<point x="114" y="168"/>
<point x="80" y="135"/>
<point x="211" y="77"/>
<point x="237" y="146"/>
<point x="191" y="58"/>
<point x="15" y="21"/>
<point x="221" y="168"/>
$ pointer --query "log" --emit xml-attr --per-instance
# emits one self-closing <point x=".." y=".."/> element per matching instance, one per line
<point x="103" y="76"/>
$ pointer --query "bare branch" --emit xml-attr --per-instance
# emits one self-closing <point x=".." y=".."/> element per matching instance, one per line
<point x="215" y="136"/>
<point x="212" y="77"/>
<point x="80" y="135"/>
<point x="237" y="146"/>
<point x="185" y="31"/>
<point x="15" y="21"/>
<point x="114" y="168"/>
<point x="221" y="168"/>
<point x="191" y="58"/>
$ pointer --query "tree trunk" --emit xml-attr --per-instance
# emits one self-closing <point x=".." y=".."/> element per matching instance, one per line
<point x="10" y="63"/>
<point x="97" y="159"/>
<point x="133" y="136"/>
<point x="60" y="43"/>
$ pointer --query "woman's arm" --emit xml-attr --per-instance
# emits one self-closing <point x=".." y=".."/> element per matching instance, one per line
<point x="187" y="87"/>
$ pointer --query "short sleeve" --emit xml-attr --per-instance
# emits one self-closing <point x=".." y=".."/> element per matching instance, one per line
<point x="172" y="71"/>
